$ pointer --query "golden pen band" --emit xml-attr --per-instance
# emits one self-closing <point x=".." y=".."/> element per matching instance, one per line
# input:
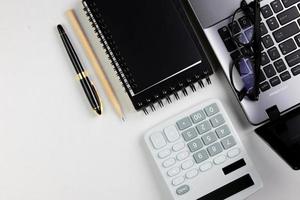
<point x="81" y="75"/>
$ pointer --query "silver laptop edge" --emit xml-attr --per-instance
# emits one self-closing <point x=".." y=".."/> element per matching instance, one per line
<point x="213" y="15"/>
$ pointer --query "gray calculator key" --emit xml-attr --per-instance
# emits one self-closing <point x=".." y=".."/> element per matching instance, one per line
<point x="201" y="156"/>
<point x="184" y="123"/>
<point x="195" y="145"/>
<point x="228" y="142"/>
<point x="209" y="138"/>
<point x="203" y="127"/>
<point x="214" y="149"/>
<point x="217" y="120"/>
<point x="182" y="190"/>
<point x="189" y="134"/>
<point x="223" y="131"/>
<point x="211" y="110"/>
<point x="198" y="116"/>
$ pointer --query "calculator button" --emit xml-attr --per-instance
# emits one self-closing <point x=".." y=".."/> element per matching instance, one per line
<point x="168" y="163"/>
<point x="184" y="123"/>
<point x="203" y="127"/>
<point x="200" y="156"/>
<point x="158" y="140"/>
<point x="228" y="142"/>
<point x="206" y="166"/>
<point x="171" y="133"/>
<point x="179" y="146"/>
<point x="217" y="120"/>
<point x="220" y="159"/>
<point x="191" y="174"/>
<point x="211" y="110"/>
<point x="214" y="149"/>
<point x="195" y="145"/>
<point x="209" y="138"/>
<point x="187" y="164"/>
<point x="198" y="116"/>
<point x="233" y="153"/>
<point x="173" y="172"/>
<point x="182" y="190"/>
<point x="189" y="134"/>
<point x="183" y="155"/>
<point x="178" y="181"/>
<point x="164" y="153"/>
<point x="223" y="131"/>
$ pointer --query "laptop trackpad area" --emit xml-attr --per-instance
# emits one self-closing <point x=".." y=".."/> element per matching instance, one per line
<point x="210" y="12"/>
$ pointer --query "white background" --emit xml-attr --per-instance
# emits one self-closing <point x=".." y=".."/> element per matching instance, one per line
<point x="52" y="147"/>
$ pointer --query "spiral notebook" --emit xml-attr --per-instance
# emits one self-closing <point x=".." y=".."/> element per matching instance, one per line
<point x="152" y="46"/>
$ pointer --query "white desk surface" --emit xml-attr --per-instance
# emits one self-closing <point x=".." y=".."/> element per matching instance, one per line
<point x="53" y="147"/>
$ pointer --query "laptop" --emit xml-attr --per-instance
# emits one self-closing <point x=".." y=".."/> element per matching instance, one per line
<point x="280" y="70"/>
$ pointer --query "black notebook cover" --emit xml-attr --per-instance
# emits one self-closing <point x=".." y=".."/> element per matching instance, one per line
<point x="152" y="45"/>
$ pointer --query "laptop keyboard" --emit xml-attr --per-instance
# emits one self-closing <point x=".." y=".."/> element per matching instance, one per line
<point x="280" y="41"/>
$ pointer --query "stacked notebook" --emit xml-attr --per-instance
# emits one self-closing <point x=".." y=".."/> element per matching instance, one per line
<point x="153" y="47"/>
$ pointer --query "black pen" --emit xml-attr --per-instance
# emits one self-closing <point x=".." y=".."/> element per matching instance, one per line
<point x="86" y="84"/>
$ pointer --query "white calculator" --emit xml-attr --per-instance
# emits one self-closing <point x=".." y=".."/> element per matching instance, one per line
<point x="200" y="156"/>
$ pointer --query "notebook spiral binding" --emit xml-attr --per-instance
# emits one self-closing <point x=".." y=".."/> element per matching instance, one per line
<point x="123" y="72"/>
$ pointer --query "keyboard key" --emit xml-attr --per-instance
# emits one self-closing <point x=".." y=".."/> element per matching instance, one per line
<point x="223" y="131"/>
<point x="209" y="138"/>
<point x="183" y="155"/>
<point x="264" y="86"/>
<point x="273" y="53"/>
<point x="198" y="116"/>
<point x="178" y="181"/>
<point x="189" y="134"/>
<point x="200" y="156"/>
<point x="296" y="70"/>
<point x="195" y="145"/>
<point x="285" y="76"/>
<point x="214" y="149"/>
<point x="191" y="174"/>
<point x="277" y="6"/>
<point x="269" y="71"/>
<point x="187" y="164"/>
<point x="228" y="142"/>
<point x="211" y="110"/>
<point x="173" y="172"/>
<point x="206" y="166"/>
<point x="286" y="32"/>
<point x="179" y="146"/>
<point x="275" y="81"/>
<point x="279" y="65"/>
<point x="229" y="44"/>
<point x="220" y="159"/>
<point x="266" y="11"/>
<point x="297" y="39"/>
<point x="267" y="41"/>
<point x="203" y="127"/>
<point x="233" y="152"/>
<point x="217" y="120"/>
<point x="293" y="58"/>
<point x="261" y="77"/>
<point x="263" y="29"/>
<point x="245" y="22"/>
<point x="287" y="46"/>
<point x="272" y="23"/>
<point x="171" y="133"/>
<point x="164" y="153"/>
<point x="168" y="163"/>
<point x="288" y="15"/>
<point x="288" y="3"/>
<point x="224" y="33"/>
<point x="246" y="51"/>
<point x="264" y="59"/>
<point x="235" y="55"/>
<point x="234" y="28"/>
<point x="182" y="190"/>
<point x="158" y="141"/>
<point x="184" y="123"/>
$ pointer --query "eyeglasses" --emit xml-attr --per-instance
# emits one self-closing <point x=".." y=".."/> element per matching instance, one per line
<point x="248" y="64"/>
